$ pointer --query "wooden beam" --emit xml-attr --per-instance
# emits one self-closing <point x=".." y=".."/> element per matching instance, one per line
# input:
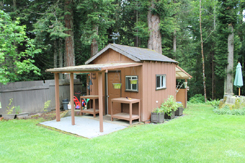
<point x="57" y="100"/>
<point x="100" y="86"/>
<point x="71" y="98"/>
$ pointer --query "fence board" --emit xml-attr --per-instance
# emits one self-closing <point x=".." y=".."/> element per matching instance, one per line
<point x="31" y="95"/>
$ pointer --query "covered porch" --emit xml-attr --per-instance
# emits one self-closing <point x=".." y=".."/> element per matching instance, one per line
<point x="99" y="69"/>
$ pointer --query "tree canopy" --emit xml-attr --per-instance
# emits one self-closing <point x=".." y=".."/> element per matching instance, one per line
<point x="40" y="30"/>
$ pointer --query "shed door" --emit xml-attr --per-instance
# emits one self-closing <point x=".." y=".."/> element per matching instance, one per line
<point x="113" y="77"/>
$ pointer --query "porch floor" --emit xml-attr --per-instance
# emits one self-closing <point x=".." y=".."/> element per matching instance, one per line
<point x="88" y="126"/>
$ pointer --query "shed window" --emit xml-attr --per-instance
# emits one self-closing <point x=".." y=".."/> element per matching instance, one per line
<point x="129" y="86"/>
<point x="160" y="81"/>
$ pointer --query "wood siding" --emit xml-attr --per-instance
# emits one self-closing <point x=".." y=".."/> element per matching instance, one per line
<point x="182" y="97"/>
<point x="146" y="73"/>
<point x="150" y="95"/>
<point x="111" y="56"/>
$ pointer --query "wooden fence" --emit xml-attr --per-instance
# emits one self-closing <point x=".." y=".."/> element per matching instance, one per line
<point x="32" y="95"/>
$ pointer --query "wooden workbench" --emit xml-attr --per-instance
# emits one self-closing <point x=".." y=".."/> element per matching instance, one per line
<point x="90" y="110"/>
<point x="126" y="116"/>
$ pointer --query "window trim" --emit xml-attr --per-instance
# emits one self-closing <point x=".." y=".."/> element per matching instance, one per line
<point x="160" y="88"/>
<point x="137" y="85"/>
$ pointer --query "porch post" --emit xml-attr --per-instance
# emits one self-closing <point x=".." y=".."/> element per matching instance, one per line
<point x="100" y="100"/>
<point x="71" y="98"/>
<point x="185" y="95"/>
<point x="57" y="100"/>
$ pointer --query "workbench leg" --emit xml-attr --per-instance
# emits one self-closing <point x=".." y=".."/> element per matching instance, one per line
<point x="111" y="111"/>
<point x="94" y="107"/>
<point x="130" y="113"/>
<point x="139" y="111"/>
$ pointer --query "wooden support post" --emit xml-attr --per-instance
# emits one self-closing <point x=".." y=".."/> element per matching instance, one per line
<point x="185" y="104"/>
<point x="57" y="100"/>
<point x="71" y="98"/>
<point x="100" y="86"/>
<point x="130" y="113"/>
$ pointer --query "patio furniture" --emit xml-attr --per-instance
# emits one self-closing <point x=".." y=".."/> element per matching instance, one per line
<point x="126" y="116"/>
<point x="93" y="110"/>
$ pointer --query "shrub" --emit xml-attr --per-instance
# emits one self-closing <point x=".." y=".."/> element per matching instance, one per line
<point x="228" y="111"/>
<point x="214" y="103"/>
<point x="158" y="110"/>
<point x="197" y="98"/>
<point x="170" y="105"/>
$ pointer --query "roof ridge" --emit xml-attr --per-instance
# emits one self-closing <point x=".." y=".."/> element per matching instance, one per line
<point x="125" y="51"/>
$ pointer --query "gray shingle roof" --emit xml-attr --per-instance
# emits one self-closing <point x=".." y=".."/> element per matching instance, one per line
<point x="134" y="53"/>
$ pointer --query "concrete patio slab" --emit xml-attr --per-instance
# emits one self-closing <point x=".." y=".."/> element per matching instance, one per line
<point x="85" y="127"/>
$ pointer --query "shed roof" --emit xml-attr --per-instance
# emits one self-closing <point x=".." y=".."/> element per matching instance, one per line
<point x="182" y="74"/>
<point x="134" y="53"/>
<point x="92" y="67"/>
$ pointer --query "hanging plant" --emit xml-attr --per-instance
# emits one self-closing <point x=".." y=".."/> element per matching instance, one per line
<point x="133" y="81"/>
<point x="117" y="85"/>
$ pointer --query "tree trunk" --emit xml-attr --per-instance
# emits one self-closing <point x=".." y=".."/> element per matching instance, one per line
<point x="203" y="63"/>
<point x="60" y="57"/>
<point x="229" y="68"/>
<point x="55" y="54"/>
<point x="1" y="4"/>
<point x="213" y="77"/>
<point x="155" y="40"/>
<point x="136" y="43"/>
<point x="69" y="41"/>
<point x="14" y="4"/>
<point x="174" y="44"/>
<point x="94" y="44"/>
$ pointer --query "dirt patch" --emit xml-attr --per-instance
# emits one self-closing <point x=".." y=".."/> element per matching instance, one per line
<point x="48" y="115"/>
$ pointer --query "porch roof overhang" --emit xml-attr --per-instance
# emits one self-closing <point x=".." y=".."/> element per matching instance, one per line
<point x="92" y="67"/>
<point x="182" y="74"/>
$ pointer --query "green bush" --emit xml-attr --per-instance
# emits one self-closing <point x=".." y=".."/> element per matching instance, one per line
<point x="158" y="110"/>
<point x="170" y="105"/>
<point x="214" y="103"/>
<point x="197" y="98"/>
<point x="227" y="110"/>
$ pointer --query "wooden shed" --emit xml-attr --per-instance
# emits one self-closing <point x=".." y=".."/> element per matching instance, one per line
<point x="146" y="77"/>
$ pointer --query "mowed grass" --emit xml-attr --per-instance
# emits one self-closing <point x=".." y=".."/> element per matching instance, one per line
<point x="199" y="136"/>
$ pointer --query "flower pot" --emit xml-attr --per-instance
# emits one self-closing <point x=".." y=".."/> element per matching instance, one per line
<point x="166" y="116"/>
<point x="157" y="117"/>
<point x="22" y="115"/>
<point x="133" y="81"/>
<point x="8" y="116"/>
<point x="179" y="111"/>
<point x="117" y="85"/>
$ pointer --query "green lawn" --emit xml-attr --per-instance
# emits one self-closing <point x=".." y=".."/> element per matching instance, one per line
<point x="199" y="136"/>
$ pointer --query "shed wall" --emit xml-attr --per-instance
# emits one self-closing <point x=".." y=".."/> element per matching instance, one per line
<point x="151" y="97"/>
<point x="111" y="56"/>
<point x="146" y="73"/>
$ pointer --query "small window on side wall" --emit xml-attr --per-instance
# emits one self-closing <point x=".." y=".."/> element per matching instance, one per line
<point x="131" y="86"/>
<point x="160" y="82"/>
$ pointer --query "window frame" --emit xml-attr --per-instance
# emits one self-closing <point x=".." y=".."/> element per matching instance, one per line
<point x="165" y="81"/>
<point x="137" y="85"/>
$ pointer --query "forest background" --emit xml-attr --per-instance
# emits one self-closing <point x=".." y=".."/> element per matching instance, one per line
<point x="41" y="34"/>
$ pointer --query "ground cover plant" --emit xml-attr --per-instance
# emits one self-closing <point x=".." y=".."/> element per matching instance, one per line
<point x="198" y="136"/>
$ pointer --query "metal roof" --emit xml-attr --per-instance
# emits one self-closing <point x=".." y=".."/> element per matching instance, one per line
<point x="134" y="53"/>
<point x="92" y="67"/>
<point x="182" y="74"/>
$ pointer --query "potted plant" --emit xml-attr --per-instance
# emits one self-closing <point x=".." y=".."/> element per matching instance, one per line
<point x="169" y="107"/>
<point x="157" y="115"/>
<point x="117" y="85"/>
<point x="179" y="110"/>
<point x="133" y="81"/>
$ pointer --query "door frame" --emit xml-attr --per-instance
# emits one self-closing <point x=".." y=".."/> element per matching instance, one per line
<point x="107" y="91"/>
